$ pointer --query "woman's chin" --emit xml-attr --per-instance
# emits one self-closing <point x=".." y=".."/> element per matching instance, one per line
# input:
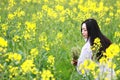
<point x="84" y="37"/>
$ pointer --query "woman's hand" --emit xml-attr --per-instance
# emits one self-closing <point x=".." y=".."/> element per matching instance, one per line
<point x="74" y="62"/>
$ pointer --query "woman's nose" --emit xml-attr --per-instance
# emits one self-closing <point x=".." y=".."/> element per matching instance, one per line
<point x="82" y="32"/>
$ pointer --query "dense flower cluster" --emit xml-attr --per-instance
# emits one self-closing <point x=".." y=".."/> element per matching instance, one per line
<point x="51" y="60"/>
<point x="36" y="37"/>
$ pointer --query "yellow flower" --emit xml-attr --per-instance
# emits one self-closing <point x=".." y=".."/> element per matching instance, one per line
<point x="47" y="75"/>
<point x="30" y="31"/>
<point x="16" y="38"/>
<point x="117" y="72"/>
<point x="4" y="27"/>
<point x="88" y="65"/>
<point x="27" y="35"/>
<point x="83" y="71"/>
<point x="18" y="25"/>
<point x="25" y="1"/>
<point x="11" y="16"/>
<point x="59" y="8"/>
<point x="34" y="52"/>
<point x="59" y="36"/>
<point x="103" y="61"/>
<point x="51" y="13"/>
<point x="85" y="64"/>
<point x="27" y="66"/>
<point x="11" y="4"/>
<point x="20" y="13"/>
<point x="111" y="65"/>
<point x="46" y="1"/>
<point x="3" y="43"/>
<point x="117" y="34"/>
<point x="74" y="10"/>
<point x="111" y="14"/>
<point x="17" y="56"/>
<point x="62" y="19"/>
<point x="30" y="26"/>
<point x="13" y="71"/>
<point x="95" y="48"/>
<point x="92" y="65"/>
<point x="106" y="78"/>
<point x="46" y="46"/>
<point x="34" y="70"/>
<point x="71" y="3"/>
<point x="108" y="20"/>
<point x="1" y="67"/>
<point x="14" y="56"/>
<point x="51" y="59"/>
<point x="112" y="51"/>
<point x="45" y="7"/>
<point x="97" y="40"/>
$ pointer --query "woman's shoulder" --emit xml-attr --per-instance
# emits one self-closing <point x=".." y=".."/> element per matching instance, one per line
<point x="86" y="45"/>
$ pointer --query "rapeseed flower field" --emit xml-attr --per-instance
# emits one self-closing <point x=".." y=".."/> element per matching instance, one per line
<point x="36" y="38"/>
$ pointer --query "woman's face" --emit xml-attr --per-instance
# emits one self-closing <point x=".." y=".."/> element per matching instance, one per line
<point x="84" y="31"/>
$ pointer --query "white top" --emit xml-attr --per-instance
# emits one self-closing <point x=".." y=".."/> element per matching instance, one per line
<point x="86" y="54"/>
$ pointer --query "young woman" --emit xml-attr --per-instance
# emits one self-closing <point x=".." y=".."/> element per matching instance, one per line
<point x="90" y="31"/>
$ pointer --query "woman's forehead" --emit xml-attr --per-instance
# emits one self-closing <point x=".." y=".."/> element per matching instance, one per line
<point x="83" y="25"/>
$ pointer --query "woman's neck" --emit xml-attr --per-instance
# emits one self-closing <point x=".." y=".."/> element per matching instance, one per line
<point x="87" y="39"/>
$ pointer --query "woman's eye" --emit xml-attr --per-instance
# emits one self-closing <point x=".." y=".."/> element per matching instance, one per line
<point x="84" y="30"/>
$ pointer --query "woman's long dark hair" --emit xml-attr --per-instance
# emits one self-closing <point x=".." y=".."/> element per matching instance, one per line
<point x="94" y="32"/>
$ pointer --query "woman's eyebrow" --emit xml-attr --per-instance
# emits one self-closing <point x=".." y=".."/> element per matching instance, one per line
<point x="83" y="28"/>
